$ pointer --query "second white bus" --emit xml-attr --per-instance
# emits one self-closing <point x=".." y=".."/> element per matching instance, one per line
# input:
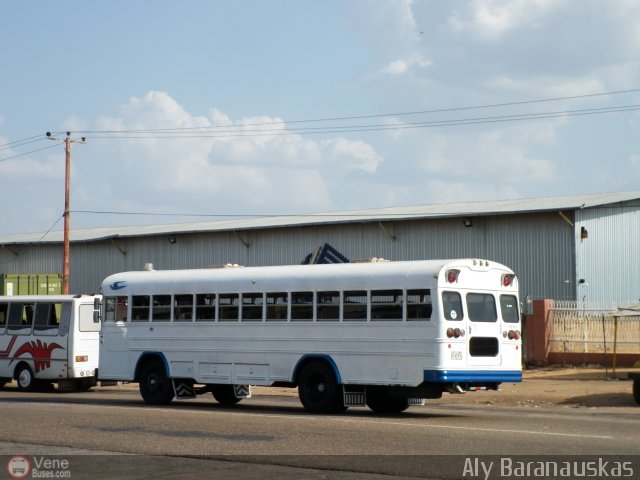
<point x="47" y="339"/>
<point x="386" y="334"/>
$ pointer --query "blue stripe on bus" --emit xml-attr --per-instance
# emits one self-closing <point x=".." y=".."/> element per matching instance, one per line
<point x="472" y="376"/>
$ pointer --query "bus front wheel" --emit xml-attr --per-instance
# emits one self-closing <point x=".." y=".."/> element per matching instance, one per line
<point x="318" y="389"/>
<point x="25" y="379"/>
<point x="155" y="386"/>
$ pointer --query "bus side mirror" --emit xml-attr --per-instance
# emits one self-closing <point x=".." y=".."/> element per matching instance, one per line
<point x="96" y="310"/>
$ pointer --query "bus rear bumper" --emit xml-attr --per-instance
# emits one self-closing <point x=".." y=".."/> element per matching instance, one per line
<point x="472" y="377"/>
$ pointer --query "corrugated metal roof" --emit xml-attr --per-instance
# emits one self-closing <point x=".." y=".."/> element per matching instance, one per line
<point x="443" y="210"/>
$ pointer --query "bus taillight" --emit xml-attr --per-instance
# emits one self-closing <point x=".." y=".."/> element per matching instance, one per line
<point x="452" y="275"/>
<point x="512" y="334"/>
<point x="455" y="332"/>
<point x="507" y="279"/>
<point x="82" y="358"/>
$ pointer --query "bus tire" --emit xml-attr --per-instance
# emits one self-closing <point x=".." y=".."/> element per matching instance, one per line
<point x="318" y="389"/>
<point x="155" y="387"/>
<point x="24" y="378"/>
<point x="379" y="401"/>
<point x="636" y="391"/>
<point x="224" y="394"/>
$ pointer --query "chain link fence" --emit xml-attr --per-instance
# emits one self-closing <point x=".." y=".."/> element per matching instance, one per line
<point x="594" y="328"/>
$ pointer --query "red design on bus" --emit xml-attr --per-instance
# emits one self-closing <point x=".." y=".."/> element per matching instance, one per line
<point x="40" y="351"/>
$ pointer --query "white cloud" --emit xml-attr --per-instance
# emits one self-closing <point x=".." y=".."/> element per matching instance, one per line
<point x="252" y="165"/>
<point x="402" y="66"/>
<point x="353" y="154"/>
<point x="491" y="19"/>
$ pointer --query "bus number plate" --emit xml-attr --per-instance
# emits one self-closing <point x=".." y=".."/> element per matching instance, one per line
<point x="456" y="355"/>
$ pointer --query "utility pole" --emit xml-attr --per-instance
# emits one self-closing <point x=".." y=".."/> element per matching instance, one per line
<point x="67" y="182"/>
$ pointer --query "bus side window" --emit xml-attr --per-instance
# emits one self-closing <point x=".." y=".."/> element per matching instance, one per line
<point x="161" y="310"/>
<point x="228" y="307"/>
<point x="46" y="321"/>
<point x="4" y="313"/>
<point x="205" y="307"/>
<point x="419" y="304"/>
<point x="183" y="308"/>
<point x="20" y="318"/>
<point x="328" y="306"/>
<point x="115" y="309"/>
<point x="277" y="306"/>
<point x="452" y="306"/>
<point x="355" y="305"/>
<point x="65" y="318"/>
<point x="386" y="305"/>
<point x="301" y="306"/>
<point x="252" y="307"/>
<point x="140" y="308"/>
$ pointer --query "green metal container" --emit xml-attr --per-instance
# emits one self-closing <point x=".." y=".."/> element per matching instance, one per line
<point x="30" y="284"/>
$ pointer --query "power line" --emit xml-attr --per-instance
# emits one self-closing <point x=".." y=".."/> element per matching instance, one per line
<point x="174" y="134"/>
<point x="26" y="153"/>
<point x="382" y="115"/>
<point x="227" y="131"/>
<point x="19" y="143"/>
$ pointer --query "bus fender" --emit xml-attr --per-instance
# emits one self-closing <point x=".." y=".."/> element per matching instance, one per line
<point x="311" y="357"/>
<point x="151" y="355"/>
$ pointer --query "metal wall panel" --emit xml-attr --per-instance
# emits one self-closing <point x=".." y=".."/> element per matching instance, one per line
<point x="608" y="257"/>
<point x="540" y="247"/>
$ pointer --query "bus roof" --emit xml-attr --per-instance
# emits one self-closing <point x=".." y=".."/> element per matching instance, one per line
<point x="44" y="298"/>
<point x="304" y="276"/>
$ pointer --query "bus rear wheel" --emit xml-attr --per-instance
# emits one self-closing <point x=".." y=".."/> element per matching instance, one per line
<point x="318" y="389"/>
<point x="155" y="386"/>
<point x="636" y="391"/>
<point x="224" y="394"/>
<point x="25" y="379"/>
<point x="380" y="401"/>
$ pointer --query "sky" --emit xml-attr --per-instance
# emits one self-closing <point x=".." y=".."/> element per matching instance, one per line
<point x="202" y="110"/>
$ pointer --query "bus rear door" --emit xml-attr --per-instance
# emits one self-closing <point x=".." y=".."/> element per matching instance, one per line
<point x="483" y="329"/>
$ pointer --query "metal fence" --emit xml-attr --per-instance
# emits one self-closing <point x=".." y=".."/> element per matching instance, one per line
<point x="579" y="327"/>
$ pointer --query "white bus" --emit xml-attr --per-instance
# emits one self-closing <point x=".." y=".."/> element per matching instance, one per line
<point x="386" y="334"/>
<point x="47" y="339"/>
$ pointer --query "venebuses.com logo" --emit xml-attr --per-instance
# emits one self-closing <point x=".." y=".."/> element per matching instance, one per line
<point x="18" y="467"/>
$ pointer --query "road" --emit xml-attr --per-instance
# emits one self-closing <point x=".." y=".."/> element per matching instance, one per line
<point x="270" y="432"/>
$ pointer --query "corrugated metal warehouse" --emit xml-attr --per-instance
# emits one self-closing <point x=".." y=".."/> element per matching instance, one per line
<point x="583" y="247"/>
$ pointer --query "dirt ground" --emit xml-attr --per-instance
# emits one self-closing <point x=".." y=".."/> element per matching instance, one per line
<point x="596" y="388"/>
<point x="580" y="387"/>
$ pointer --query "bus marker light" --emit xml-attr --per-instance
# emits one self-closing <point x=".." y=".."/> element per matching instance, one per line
<point x="82" y="358"/>
<point x="452" y="275"/>
<point x="507" y="279"/>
